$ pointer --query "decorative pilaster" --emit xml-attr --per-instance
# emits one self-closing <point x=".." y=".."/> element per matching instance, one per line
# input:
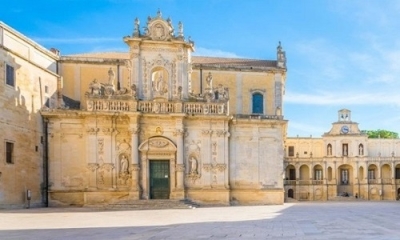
<point x="135" y="167"/>
<point x="179" y="158"/>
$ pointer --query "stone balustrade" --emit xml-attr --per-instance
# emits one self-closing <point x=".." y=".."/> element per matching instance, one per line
<point x="121" y="105"/>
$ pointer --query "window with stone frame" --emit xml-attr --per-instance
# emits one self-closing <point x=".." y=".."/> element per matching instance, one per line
<point x="9" y="152"/>
<point x="291" y="151"/>
<point x="258" y="103"/>
<point x="371" y="174"/>
<point x="10" y="75"/>
<point x="318" y="174"/>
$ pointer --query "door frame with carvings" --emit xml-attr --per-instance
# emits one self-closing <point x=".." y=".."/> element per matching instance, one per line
<point x="156" y="148"/>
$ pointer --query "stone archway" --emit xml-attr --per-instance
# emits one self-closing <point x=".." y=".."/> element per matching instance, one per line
<point x="157" y="149"/>
<point x="346" y="180"/>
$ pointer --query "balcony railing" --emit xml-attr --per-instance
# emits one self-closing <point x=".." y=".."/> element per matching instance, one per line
<point x="121" y="105"/>
<point x="386" y="181"/>
<point x="259" y="116"/>
<point x="372" y="181"/>
<point x="290" y="182"/>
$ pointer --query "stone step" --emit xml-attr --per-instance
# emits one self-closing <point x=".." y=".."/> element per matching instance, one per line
<point x="152" y="204"/>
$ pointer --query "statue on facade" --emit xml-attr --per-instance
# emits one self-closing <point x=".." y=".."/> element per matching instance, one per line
<point x="136" y="31"/>
<point x="159" y="83"/>
<point x="209" y="80"/>
<point x="95" y="88"/>
<point x="193" y="165"/>
<point x="133" y="91"/>
<point x="180" y="29"/>
<point x="179" y="94"/>
<point x="124" y="165"/>
<point x="111" y="76"/>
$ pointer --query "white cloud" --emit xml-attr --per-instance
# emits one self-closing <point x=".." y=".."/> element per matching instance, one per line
<point x="77" y="40"/>
<point x="214" y="53"/>
<point x="337" y="98"/>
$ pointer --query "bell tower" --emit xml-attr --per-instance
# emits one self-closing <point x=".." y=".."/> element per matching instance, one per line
<point x="344" y="115"/>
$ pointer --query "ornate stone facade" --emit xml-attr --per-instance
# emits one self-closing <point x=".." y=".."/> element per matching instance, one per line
<point x="156" y="122"/>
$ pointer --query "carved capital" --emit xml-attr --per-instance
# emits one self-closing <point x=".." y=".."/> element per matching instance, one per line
<point x="134" y="168"/>
<point x="92" y="166"/>
<point x="107" y="166"/>
<point x="221" y="133"/>
<point x="92" y="131"/>
<point x="207" y="132"/>
<point x="135" y="130"/>
<point x="214" y="167"/>
<point x="180" y="167"/>
<point x="179" y="132"/>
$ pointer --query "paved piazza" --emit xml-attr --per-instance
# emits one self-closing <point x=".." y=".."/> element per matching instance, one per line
<point x="306" y="220"/>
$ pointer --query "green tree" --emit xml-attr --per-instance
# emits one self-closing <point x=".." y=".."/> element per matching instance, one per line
<point x="380" y="133"/>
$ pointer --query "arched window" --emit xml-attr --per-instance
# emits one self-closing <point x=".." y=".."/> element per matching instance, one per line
<point x="329" y="150"/>
<point x="360" y="150"/>
<point x="258" y="103"/>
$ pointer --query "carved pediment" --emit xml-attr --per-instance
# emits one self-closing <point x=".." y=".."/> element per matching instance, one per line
<point x="157" y="144"/>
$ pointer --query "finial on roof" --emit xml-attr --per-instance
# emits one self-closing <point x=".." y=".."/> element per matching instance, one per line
<point x="159" y="14"/>
<point x="136" y="31"/>
<point x="180" y="29"/>
<point x="279" y="48"/>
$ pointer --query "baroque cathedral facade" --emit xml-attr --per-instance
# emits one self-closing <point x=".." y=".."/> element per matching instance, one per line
<point x="156" y="122"/>
<point x="151" y="123"/>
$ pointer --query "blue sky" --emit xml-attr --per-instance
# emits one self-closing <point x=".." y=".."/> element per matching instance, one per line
<point x="340" y="53"/>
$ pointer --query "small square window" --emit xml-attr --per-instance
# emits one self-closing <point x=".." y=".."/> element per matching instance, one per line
<point x="291" y="151"/>
<point x="10" y="75"/>
<point x="9" y="152"/>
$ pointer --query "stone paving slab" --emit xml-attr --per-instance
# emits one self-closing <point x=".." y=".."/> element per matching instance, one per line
<point x="303" y="220"/>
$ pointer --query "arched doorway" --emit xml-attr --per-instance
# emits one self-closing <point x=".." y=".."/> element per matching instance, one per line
<point x="291" y="193"/>
<point x="158" y="173"/>
<point x="345" y="183"/>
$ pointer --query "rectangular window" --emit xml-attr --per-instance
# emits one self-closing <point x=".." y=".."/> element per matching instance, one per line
<point x="291" y="151"/>
<point x="371" y="174"/>
<point x="318" y="174"/>
<point x="46" y="89"/>
<point x="345" y="176"/>
<point x="345" y="149"/>
<point x="10" y="75"/>
<point x="9" y="152"/>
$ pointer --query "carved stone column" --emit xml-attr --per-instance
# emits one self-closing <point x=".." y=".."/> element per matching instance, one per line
<point x="135" y="158"/>
<point x="179" y="159"/>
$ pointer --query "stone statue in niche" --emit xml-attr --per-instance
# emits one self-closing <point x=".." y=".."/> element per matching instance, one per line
<point x="193" y="165"/>
<point x="124" y="175"/>
<point x="159" y="83"/>
<point x="124" y="165"/>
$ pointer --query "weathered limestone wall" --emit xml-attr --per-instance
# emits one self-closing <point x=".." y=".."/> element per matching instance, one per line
<point x="20" y="120"/>
<point x="256" y="169"/>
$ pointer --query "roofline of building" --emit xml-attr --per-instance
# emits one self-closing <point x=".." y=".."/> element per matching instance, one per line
<point x="29" y="41"/>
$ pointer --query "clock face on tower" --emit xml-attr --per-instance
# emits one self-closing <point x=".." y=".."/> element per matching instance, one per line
<point x="345" y="129"/>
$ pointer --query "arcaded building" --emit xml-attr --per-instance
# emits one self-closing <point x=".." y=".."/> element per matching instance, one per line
<point x="344" y="162"/>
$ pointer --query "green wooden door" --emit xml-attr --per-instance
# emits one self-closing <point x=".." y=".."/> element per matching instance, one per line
<point x="159" y="179"/>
